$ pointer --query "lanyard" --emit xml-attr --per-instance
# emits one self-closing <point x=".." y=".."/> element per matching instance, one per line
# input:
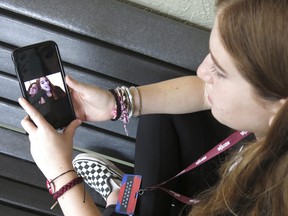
<point x="218" y="149"/>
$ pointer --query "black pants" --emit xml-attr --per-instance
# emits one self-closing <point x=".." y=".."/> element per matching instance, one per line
<point x="167" y="144"/>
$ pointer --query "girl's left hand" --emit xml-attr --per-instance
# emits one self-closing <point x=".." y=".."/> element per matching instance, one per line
<point x="51" y="150"/>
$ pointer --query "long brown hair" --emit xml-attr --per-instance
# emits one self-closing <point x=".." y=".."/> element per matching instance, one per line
<point x="255" y="34"/>
<point x="56" y="91"/>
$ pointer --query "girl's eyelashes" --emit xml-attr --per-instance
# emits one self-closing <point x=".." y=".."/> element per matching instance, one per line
<point x="219" y="75"/>
<point x="215" y="71"/>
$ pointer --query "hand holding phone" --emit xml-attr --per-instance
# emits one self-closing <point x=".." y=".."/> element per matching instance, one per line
<point x="41" y="77"/>
<point x="91" y="103"/>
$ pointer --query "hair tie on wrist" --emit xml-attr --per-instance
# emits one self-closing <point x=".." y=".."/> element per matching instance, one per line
<point x="118" y="106"/>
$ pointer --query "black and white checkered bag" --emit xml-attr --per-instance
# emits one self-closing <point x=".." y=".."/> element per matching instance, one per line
<point x="96" y="174"/>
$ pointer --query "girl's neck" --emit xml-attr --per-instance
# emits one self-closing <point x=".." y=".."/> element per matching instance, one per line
<point x="49" y="94"/>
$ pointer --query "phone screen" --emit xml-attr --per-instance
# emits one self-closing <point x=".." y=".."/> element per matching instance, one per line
<point x="41" y="78"/>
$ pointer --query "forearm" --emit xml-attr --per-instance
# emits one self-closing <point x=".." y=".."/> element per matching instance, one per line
<point x="175" y="96"/>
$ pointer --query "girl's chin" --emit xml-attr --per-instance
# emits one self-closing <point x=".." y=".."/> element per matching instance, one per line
<point x="220" y="118"/>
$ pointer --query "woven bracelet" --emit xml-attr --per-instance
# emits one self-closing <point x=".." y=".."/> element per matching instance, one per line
<point x="50" y="183"/>
<point x="67" y="187"/>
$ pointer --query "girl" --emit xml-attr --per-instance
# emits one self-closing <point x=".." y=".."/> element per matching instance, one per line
<point x="50" y="91"/>
<point x="243" y="80"/>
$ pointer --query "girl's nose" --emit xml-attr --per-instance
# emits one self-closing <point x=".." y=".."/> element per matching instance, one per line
<point x="203" y="71"/>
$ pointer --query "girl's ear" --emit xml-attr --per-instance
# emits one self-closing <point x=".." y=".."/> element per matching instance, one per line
<point x="277" y="107"/>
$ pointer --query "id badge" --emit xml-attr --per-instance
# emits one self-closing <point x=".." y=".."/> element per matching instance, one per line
<point x="128" y="194"/>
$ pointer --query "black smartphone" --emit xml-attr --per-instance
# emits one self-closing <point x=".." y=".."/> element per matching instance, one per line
<point x="41" y="77"/>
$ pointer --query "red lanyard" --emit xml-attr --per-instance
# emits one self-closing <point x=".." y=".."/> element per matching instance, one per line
<point x="218" y="149"/>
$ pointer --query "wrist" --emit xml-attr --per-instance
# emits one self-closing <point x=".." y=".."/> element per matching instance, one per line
<point x="54" y="170"/>
<point x="62" y="184"/>
<point x="67" y="187"/>
<point x="61" y="181"/>
<point x="51" y="183"/>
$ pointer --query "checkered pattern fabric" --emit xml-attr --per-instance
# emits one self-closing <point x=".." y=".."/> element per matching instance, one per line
<point x="97" y="175"/>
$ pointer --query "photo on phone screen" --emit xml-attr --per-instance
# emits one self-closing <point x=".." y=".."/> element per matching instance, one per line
<point x="41" y="77"/>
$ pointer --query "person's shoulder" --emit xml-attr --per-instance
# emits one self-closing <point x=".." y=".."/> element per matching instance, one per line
<point x="58" y="89"/>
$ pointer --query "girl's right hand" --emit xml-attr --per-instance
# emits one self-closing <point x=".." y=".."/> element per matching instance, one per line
<point x="91" y="103"/>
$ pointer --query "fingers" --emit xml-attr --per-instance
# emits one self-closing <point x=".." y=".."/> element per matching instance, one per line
<point x="35" y="116"/>
<point x="71" y="128"/>
<point x="28" y="126"/>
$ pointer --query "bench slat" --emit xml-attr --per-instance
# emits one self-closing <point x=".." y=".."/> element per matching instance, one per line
<point x="13" y="211"/>
<point x="15" y="193"/>
<point x="90" y="54"/>
<point x="122" y="25"/>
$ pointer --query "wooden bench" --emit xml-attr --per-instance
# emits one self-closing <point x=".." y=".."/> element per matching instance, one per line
<point x="102" y="42"/>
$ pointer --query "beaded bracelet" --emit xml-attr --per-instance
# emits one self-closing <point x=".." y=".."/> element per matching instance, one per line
<point x="125" y="105"/>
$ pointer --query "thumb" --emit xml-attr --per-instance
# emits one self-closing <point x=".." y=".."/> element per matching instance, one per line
<point x="73" y="84"/>
<point x="71" y="128"/>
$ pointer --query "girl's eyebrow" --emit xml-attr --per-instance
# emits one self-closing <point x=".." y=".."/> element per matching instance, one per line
<point x="216" y="62"/>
